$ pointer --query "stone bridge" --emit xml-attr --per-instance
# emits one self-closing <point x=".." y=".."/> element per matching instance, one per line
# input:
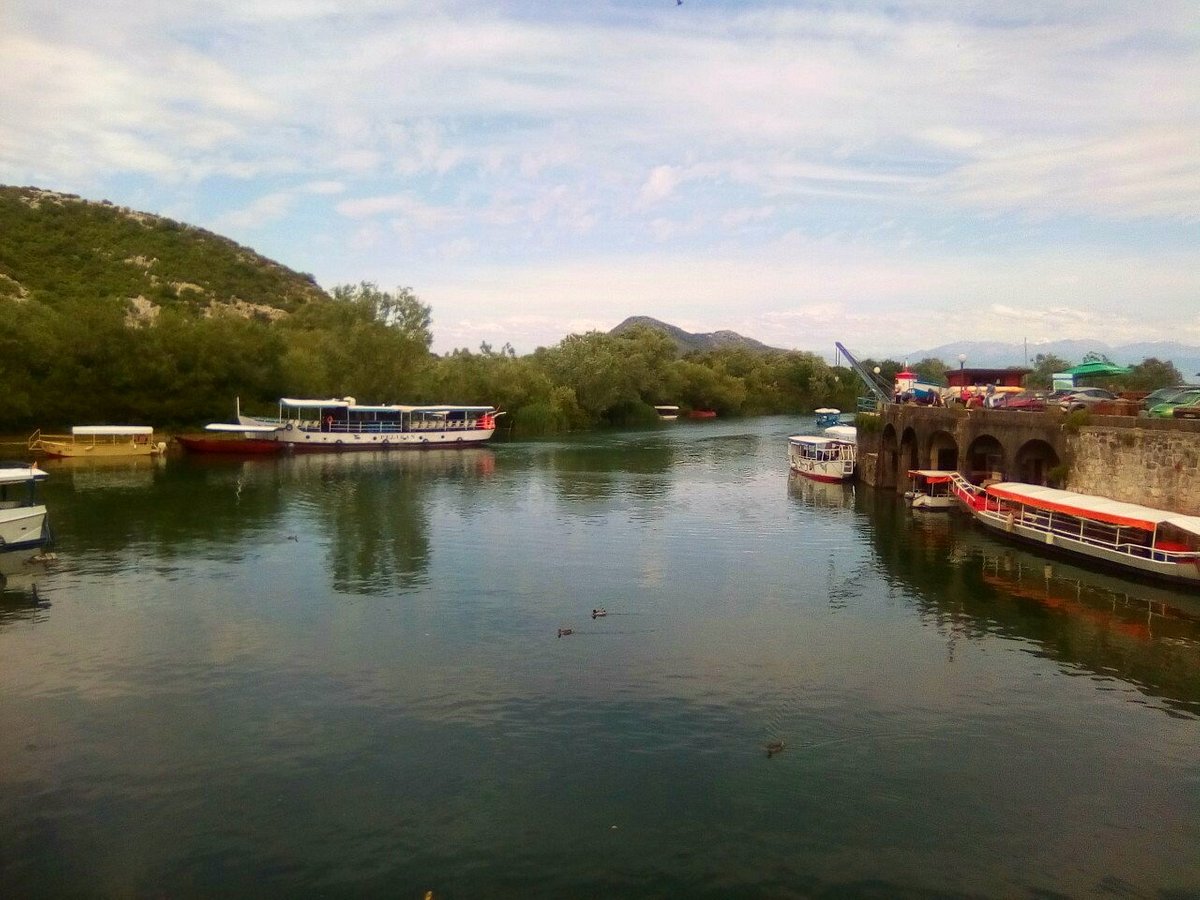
<point x="1139" y="460"/>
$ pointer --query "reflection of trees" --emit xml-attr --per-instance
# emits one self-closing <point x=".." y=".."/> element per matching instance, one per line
<point x="585" y="472"/>
<point x="972" y="584"/>
<point x="375" y="509"/>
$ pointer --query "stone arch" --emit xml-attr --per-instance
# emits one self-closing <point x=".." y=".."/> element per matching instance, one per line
<point x="1034" y="462"/>
<point x="943" y="451"/>
<point x="910" y="457"/>
<point x="889" y="457"/>
<point x="984" y="458"/>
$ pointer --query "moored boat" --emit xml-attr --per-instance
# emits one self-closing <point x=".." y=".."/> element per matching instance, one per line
<point x="345" y="424"/>
<point x="931" y="489"/>
<point x="667" y="412"/>
<point x="827" y="415"/>
<point x="98" y="440"/>
<point x="23" y="522"/>
<point x="702" y="414"/>
<point x="821" y="457"/>
<point x="1133" y="539"/>
<point x="249" y="440"/>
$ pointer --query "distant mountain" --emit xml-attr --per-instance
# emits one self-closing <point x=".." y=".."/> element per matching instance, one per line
<point x="689" y="343"/>
<point x="995" y="354"/>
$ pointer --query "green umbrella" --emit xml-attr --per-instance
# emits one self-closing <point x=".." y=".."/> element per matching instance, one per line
<point x="1098" y="368"/>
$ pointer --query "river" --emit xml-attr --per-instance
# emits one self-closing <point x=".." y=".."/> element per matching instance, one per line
<point x="343" y="675"/>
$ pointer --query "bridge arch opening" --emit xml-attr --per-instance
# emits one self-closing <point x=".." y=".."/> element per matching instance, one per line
<point x="985" y="458"/>
<point x="943" y="451"/>
<point x="909" y="457"/>
<point x="1034" y="463"/>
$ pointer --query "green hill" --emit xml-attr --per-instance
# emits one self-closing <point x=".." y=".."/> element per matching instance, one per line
<point x="59" y="247"/>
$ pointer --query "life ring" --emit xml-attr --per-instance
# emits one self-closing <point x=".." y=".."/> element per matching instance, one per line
<point x="386" y="443"/>
<point x="288" y="427"/>
<point x="329" y="421"/>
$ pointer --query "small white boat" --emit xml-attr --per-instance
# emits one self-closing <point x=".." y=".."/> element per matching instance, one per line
<point x="667" y="413"/>
<point x="930" y="489"/>
<point x="98" y="440"/>
<point x="23" y="524"/>
<point x="822" y="458"/>
<point x="345" y="424"/>
<point x="1136" y="540"/>
<point x="827" y="415"/>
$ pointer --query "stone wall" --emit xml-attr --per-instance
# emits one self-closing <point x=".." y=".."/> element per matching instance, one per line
<point x="1154" y="464"/>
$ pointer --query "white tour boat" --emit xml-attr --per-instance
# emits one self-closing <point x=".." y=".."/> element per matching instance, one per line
<point x="1138" y="540"/>
<point x="823" y="457"/>
<point x="930" y="489"/>
<point x="23" y="524"/>
<point x="667" y="412"/>
<point x="347" y="425"/>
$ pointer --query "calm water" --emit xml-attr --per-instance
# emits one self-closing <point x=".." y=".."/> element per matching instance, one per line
<point x="341" y="675"/>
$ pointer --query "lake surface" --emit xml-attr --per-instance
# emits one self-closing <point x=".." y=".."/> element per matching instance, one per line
<point x="341" y="675"/>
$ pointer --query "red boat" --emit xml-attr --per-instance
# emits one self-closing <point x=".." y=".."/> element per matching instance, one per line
<point x="702" y="414"/>
<point x="234" y="439"/>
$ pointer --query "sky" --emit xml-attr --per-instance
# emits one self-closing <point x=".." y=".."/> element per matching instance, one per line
<point x="889" y="175"/>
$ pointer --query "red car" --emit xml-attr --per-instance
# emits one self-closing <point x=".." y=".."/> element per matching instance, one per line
<point x="1029" y="401"/>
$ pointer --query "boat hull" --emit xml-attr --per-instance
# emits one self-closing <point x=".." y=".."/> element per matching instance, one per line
<point x="93" y="451"/>
<point x="302" y="438"/>
<point x="232" y="446"/>
<point x="23" y="528"/>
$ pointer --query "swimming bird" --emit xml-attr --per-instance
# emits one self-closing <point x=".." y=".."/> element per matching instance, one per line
<point x="565" y="631"/>
<point x="774" y="747"/>
<point x="598" y="613"/>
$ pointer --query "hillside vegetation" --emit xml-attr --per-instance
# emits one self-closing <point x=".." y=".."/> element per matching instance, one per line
<point x="112" y="315"/>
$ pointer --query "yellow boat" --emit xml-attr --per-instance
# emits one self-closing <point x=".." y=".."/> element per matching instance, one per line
<point x="98" y="441"/>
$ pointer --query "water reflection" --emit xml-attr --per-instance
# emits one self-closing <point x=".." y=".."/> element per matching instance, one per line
<point x="972" y="585"/>
<point x="821" y="494"/>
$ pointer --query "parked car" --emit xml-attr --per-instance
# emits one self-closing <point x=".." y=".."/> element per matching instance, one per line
<point x="1187" y="410"/>
<point x="1167" y="409"/>
<point x="1085" y="398"/>
<point x="1030" y="401"/>
<point x="1164" y="395"/>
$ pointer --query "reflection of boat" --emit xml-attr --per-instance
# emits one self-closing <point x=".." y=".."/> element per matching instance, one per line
<point x="469" y="460"/>
<point x="92" y="472"/>
<point x="827" y="494"/>
<point x="1138" y="540"/>
<point x="347" y="425"/>
<point x="828" y="457"/>
<point x="930" y="490"/>
<point x="91" y="441"/>
<point x="667" y="413"/>
<point x="238" y="439"/>
<point x="23" y="524"/>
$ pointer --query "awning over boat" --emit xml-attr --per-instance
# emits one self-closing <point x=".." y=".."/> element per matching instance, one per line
<point x="312" y="404"/>
<point x="933" y="476"/>
<point x="110" y="430"/>
<point x="20" y="474"/>
<point x="1087" y="506"/>
<point x="243" y="429"/>
<point x="813" y="440"/>
<point x="847" y="433"/>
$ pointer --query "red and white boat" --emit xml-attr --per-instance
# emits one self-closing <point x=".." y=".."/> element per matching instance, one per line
<point x="241" y="440"/>
<point x="1136" y="540"/>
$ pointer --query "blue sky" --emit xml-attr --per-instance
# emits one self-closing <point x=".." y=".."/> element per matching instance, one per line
<point x="894" y="176"/>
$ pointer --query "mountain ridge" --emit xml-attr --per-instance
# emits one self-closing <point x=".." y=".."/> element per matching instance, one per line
<point x="690" y="342"/>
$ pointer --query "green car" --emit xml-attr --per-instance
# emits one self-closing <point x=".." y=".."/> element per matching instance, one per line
<point x="1166" y="410"/>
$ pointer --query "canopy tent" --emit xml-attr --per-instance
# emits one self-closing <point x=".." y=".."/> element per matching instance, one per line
<point x="1098" y="368"/>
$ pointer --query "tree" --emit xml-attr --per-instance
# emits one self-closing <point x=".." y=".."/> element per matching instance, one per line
<point x="1151" y="374"/>
<point x="1044" y="367"/>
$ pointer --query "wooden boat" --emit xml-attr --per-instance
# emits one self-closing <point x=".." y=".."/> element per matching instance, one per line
<point x="1135" y="540"/>
<point x="821" y="457"/>
<point x="248" y="440"/>
<point x="930" y="489"/>
<point x="23" y="524"/>
<point x="98" y="440"/>
<point x="315" y="425"/>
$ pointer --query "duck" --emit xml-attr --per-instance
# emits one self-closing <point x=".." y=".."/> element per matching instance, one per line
<point x="562" y="632"/>
<point x="774" y="747"/>
<point x="598" y="613"/>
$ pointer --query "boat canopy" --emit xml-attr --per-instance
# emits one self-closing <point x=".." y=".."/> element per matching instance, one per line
<point x="242" y="429"/>
<point x="827" y="411"/>
<point x="20" y="474"/>
<point x="110" y="430"/>
<point x="813" y="440"/>
<point x="313" y="404"/>
<point x="846" y="433"/>
<point x="1087" y="506"/>
<point x="933" y="476"/>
